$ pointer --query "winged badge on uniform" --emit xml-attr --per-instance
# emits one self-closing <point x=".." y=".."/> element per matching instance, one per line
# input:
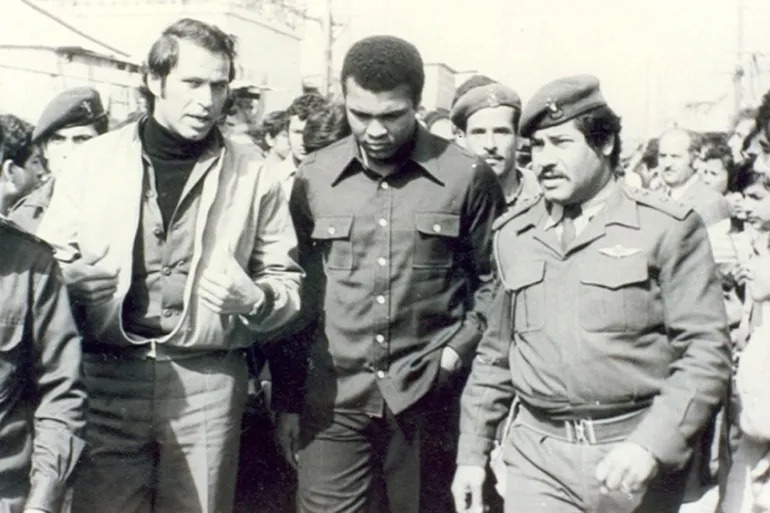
<point x="619" y="251"/>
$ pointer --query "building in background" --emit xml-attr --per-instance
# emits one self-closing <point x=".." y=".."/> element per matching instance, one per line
<point x="57" y="44"/>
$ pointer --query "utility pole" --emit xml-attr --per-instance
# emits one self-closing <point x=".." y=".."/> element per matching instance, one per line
<point x="327" y="22"/>
<point x="739" y="71"/>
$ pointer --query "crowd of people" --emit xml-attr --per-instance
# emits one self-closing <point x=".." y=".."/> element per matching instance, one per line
<point x="480" y="309"/>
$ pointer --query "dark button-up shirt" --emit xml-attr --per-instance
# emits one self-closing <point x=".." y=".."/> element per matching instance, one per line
<point x="629" y="317"/>
<point x="42" y="399"/>
<point x="394" y="263"/>
<point x="161" y="262"/>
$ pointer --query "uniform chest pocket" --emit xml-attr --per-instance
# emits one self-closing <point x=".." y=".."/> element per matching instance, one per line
<point x="332" y="235"/>
<point x="435" y="239"/>
<point x="527" y="286"/>
<point x="615" y="295"/>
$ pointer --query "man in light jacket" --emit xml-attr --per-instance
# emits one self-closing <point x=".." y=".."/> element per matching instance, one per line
<point x="176" y="248"/>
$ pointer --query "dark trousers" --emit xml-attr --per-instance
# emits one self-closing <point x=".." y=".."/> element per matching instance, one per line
<point x="549" y="475"/>
<point x="354" y="463"/>
<point x="162" y="435"/>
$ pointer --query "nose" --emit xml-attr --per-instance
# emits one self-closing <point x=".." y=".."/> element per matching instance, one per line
<point x="376" y="130"/>
<point x="489" y="143"/>
<point x="204" y="96"/>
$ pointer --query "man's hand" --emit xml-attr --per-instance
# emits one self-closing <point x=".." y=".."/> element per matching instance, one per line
<point x="467" y="489"/>
<point x="450" y="363"/>
<point x="287" y="432"/>
<point x="88" y="281"/>
<point x="229" y="291"/>
<point x="627" y="468"/>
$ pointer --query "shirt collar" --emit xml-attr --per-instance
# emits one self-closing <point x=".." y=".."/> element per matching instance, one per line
<point x="286" y="169"/>
<point x="424" y="153"/>
<point x="589" y="208"/>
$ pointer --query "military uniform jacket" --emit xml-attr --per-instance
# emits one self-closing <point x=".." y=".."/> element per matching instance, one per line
<point x="629" y="316"/>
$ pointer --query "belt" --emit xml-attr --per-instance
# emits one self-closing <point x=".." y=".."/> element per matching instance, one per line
<point x="581" y="431"/>
<point x="151" y="350"/>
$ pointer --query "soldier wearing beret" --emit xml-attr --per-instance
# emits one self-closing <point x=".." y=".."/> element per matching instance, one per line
<point x="488" y="118"/>
<point x="607" y="328"/>
<point x="70" y="119"/>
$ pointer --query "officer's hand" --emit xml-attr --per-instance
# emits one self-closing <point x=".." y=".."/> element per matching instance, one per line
<point x="627" y="468"/>
<point x="287" y="432"/>
<point x="88" y="280"/>
<point x="467" y="489"/>
<point x="229" y="290"/>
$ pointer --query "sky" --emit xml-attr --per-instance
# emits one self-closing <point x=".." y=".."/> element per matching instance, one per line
<point x="651" y="56"/>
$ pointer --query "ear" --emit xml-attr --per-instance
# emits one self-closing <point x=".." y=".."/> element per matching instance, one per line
<point x="8" y="170"/>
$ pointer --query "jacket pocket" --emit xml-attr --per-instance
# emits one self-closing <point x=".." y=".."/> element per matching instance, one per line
<point x="332" y="234"/>
<point x="615" y="295"/>
<point x="527" y="286"/>
<point x="435" y="239"/>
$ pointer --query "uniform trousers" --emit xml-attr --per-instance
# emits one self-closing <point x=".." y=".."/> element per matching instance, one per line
<point x="162" y="436"/>
<point x="547" y="474"/>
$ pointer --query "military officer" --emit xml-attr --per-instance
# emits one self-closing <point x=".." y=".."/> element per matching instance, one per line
<point x="487" y="116"/>
<point x="607" y="327"/>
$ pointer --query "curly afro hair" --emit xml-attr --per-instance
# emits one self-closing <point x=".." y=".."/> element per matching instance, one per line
<point x="383" y="63"/>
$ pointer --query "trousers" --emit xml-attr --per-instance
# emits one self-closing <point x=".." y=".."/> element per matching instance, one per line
<point x="547" y="474"/>
<point x="162" y="436"/>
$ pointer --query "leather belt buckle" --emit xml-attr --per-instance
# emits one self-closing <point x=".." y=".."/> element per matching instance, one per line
<point x="580" y="431"/>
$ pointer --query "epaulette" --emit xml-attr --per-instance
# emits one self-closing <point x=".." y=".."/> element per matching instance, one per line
<point x="7" y="224"/>
<point x="523" y="204"/>
<point x="659" y="201"/>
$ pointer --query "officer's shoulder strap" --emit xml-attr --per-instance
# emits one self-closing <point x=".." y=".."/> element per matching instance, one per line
<point x="658" y="201"/>
<point x="523" y="205"/>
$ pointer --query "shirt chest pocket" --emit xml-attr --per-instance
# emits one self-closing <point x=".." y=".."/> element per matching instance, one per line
<point x="435" y="239"/>
<point x="333" y="235"/>
<point x="615" y="295"/>
<point x="527" y="286"/>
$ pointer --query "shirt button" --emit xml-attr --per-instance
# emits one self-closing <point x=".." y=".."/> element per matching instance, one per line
<point x="167" y="313"/>
<point x="382" y="261"/>
<point x="383" y="222"/>
<point x="385" y="185"/>
<point x="158" y="231"/>
<point x="149" y="194"/>
<point x="381" y="300"/>
<point x="380" y="339"/>
<point x="380" y="374"/>
<point x="331" y="230"/>
<point x="166" y="271"/>
<point x="437" y="228"/>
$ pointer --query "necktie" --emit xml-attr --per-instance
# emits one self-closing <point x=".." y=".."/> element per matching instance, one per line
<point x="571" y="212"/>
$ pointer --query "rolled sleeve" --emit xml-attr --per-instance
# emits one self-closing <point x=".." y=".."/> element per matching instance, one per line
<point x="697" y="330"/>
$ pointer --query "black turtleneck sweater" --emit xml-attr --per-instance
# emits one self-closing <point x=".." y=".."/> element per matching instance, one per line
<point x="173" y="159"/>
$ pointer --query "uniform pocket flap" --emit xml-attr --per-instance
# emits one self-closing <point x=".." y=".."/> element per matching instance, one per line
<point x="332" y="227"/>
<point x="615" y="273"/>
<point x="524" y="274"/>
<point x="436" y="223"/>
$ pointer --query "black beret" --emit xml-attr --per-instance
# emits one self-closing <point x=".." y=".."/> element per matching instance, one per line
<point x="482" y="97"/>
<point x="559" y="101"/>
<point x="74" y="107"/>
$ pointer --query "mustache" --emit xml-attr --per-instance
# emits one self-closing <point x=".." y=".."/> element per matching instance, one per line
<point x="549" y="172"/>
